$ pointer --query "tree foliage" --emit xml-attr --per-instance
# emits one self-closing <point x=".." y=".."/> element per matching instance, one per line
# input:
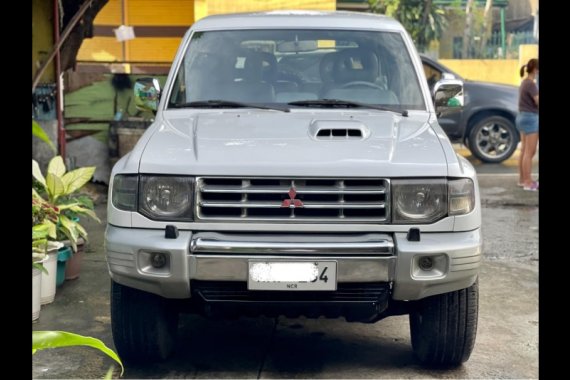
<point x="423" y="20"/>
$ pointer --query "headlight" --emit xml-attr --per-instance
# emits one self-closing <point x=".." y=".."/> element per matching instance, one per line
<point x="461" y="196"/>
<point x="418" y="201"/>
<point x="124" y="196"/>
<point x="165" y="197"/>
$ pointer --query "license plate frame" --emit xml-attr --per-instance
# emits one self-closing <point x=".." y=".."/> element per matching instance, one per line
<point x="326" y="278"/>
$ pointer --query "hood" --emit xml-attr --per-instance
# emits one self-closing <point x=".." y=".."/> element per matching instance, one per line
<point x="501" y="87"/>
<point x="487" y="95"/>
<point x="299" y="143"/>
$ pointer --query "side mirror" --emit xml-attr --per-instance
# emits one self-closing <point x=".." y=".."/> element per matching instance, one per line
<point x="147" y="94"/>
<point x="448" y="95"/>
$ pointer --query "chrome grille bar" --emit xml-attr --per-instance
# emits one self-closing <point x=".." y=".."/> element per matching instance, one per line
<point x="293" y="199"/>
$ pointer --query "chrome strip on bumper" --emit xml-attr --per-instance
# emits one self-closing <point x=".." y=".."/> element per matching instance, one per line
<point x="202" y="245"/>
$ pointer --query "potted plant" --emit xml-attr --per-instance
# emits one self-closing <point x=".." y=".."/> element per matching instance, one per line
<point x="73" y="265"/>
<point x="43" y="217"/>
<point x="59" y="189"/>
<point x="38" y="256"/>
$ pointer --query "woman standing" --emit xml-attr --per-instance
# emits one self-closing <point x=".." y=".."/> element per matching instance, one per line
<point x="527" y="124"/>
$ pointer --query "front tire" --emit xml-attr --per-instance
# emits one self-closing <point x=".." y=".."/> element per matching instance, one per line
<point x="144" y="325"/>
<point x="443" y="327"/>
<point x="493" y="139"/>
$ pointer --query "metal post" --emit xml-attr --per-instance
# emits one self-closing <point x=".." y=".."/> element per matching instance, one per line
<point x="58" y="101"/>
<point x="503" y="41"/>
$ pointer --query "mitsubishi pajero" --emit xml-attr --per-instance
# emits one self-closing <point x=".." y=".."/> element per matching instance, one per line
<point x="295" y="167"/>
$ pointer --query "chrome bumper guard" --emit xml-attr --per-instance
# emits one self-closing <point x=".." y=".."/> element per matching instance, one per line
<point x="222" y="257"/>
<point x="201" y="245"/>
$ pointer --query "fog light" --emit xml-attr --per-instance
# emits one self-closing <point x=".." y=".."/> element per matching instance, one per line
<point x="425" y="263"/>
<point x="158" y="259"/>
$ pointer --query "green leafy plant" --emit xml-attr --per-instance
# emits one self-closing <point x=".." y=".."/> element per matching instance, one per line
<point x="59" y="188"/>
<point x="43" y="218"/>
<point x="41" y="134"/>
<point x="42" y="340"/>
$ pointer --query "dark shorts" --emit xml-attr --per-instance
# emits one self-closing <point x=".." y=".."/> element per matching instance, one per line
<point x="527" y="122"/>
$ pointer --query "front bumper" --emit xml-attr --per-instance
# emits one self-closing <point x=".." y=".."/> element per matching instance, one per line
<point x="361" y="258"/>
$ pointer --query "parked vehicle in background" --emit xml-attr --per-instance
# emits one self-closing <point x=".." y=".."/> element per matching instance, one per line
<point x="486" y="125"/>
<point x="295" y="167"/>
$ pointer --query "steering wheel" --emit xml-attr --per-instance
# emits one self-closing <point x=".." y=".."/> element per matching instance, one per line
<point x="361" y="84"/>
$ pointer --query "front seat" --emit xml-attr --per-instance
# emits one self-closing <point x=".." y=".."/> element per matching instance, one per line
<point x="255" y="82"/>
<point x="355" y="74"/>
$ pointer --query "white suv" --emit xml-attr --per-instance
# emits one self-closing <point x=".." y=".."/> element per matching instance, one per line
<point x="295" y="167"/>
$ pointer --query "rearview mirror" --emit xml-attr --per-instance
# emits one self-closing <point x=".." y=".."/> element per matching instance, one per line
<point x="297" y="46"/>
<point x="147" y="94"/>
<point x="448" y="96"/>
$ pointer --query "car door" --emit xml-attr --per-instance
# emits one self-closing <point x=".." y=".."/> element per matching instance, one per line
<point x="451" y="124"/>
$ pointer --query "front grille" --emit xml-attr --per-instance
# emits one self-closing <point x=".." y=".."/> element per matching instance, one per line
<point x="363" y="302"/>
<point x="238" y="292"/>
<point x="290" y="200"/>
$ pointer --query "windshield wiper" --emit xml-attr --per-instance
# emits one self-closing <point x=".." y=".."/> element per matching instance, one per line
<point x="345" y="103"/>
<point x="217" y="103"/>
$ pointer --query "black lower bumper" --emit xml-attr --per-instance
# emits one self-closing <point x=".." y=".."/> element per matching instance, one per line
<point x="363" y="302"/>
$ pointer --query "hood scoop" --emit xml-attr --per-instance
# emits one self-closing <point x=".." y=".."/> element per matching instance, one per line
<point x="338" y="130"/>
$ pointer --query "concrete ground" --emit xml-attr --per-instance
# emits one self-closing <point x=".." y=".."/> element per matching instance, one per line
<point x="506" y="345"/>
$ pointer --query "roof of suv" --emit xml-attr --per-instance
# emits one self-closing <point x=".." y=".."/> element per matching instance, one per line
<point x="299" y="19"/>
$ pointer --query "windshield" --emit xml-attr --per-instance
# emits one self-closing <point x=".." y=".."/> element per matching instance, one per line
<point x="274" y="67"/>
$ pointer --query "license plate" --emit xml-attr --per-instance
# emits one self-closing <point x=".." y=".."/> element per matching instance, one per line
<point x="287" y="275"/>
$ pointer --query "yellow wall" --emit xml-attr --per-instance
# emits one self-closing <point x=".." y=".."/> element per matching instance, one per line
<point x="231" y="6"/>
<point x="163" y="12"/>
<point x="493" y="70"/>
<point x="42" y="38"/>
<point x="169" y="13"/>
<point x="488" y="70"/>
<point x="526" y="52"/>
<point x="104" y="49"/>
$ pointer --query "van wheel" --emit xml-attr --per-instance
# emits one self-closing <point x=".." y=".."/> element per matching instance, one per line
<point x="144" y="325"/>
<point x="493" y="139"/>
<point x="443" y="327"/>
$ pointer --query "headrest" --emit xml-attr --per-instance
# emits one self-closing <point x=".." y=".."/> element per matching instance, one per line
<point x="259" y="66"/>
<point x="355" y="65"/>
<point x="212" y="66"/>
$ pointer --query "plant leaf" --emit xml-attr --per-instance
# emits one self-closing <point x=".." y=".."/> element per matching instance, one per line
<point x="85" y="201"/>
<point x="37" y="173"/>
<point x="54" y="339"/>
<point x="81" y="231"/>
<point x="43" y="269"/>
<point x="42" y="135"/>
<point x="40" y="231"/>
<point x="67" y="206"/>
<point x="70" y="236"/>
<point x="56" y="166"/>
<point x="75" y="179"/>
<point x="69" y="228"/>
<point x="52" y="229"/>
<point x="109" y="374"/>
<point x="55" y="186"/>
<point x="35" y="195"/>
<point x="85" y="211"/>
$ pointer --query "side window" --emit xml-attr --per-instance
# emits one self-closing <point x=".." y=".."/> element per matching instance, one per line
<point x="432" y="74"/>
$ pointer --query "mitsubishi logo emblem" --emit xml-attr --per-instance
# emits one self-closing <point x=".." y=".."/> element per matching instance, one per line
<point x="292" y="202"/>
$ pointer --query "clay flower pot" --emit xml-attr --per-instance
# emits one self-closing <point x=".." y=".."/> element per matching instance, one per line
<point x="73" y="267"/>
